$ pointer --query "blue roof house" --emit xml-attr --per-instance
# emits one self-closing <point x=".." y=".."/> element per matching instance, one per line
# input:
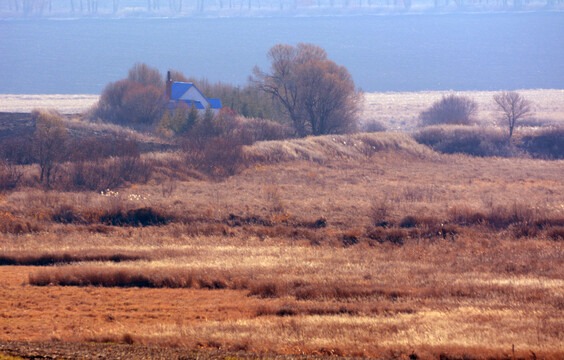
<point x="189" y="94"/>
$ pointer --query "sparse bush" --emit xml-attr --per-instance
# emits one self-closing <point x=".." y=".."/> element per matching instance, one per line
<point x="464" y="215"/>
<point x="66" y="214"/>
<point x="372" y="126"/>
<point x="10" y="176"/>
<point x="274" y="200"/>
<point x="108" y="174"/>
<point x="220" y="156"/>
<point x="549" y="144"/>
<point x="215" y="144"/>
<point x="350" y="237"/>
<point x="94" y="148"/>
<point x="147" y="216"/>
<point x="17" y="150"/>
<point x="106" y="162"/>
<point x="409" y="222"/>
<point x="394" y="235"/>
<point x="261" y="130"/>
<point x="557" y="233"/>
<point x="380" y="212"/>
<point x="451" y="109"/>
<point x="466" y="140"/>
<point x="499" y="216"/>
<point x="13" y="225"/>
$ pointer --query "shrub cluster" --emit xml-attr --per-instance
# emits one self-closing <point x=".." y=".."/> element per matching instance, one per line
<point x="469" y="140"/>
<point x="107" y="174"/>
<point x="548" y="144"/>
<point x="502" y="217"/>
<point x="91" y="163"/>
<point x="10" y="224"/>
<point x="479" y="141"/>
<point x="213" y="143"/>
<point x="17" y="150"/>
<point x="146" y="216"/>
<point x="10" y="176"/>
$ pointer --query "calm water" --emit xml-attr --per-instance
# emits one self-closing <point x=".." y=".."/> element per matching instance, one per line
<point x="383" y="53"/>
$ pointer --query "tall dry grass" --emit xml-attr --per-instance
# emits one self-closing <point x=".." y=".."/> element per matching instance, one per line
<point x="346" y="249"/>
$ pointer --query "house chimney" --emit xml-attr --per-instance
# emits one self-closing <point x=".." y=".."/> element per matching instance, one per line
<point x="168" y="85"/>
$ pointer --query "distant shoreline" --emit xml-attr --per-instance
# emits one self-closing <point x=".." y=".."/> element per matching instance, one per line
<point x="273" y="9"/>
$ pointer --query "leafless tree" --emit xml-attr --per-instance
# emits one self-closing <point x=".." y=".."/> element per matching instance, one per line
<point x="317" y="95"/>
<point x="142" y="105"/>
<point x="49" y="141"/>
<point x="146" y="75"/>
<point x="512" y="107"/>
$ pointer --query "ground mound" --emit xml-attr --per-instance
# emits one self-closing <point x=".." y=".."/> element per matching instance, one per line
<point x="323" y="148"/>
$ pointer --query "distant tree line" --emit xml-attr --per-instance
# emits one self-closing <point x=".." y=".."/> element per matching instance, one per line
<point x="42" y="7"/>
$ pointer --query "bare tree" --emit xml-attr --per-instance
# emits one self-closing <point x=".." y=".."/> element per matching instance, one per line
<point x="512" y="107"/>
<point x="146" y="75"/>
<point x="49" y="141"/>
<point x="451" y="109"/>
<point x="142" y="105"/>
<point x="317" y="95"/>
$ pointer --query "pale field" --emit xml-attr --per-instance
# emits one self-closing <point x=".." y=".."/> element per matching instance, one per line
<point x="65" y="104"/>
<point x="400" y="111"/>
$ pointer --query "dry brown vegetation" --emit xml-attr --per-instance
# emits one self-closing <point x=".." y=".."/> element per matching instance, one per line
<point x="368" y="245"/>
<point x="357" y="245"/>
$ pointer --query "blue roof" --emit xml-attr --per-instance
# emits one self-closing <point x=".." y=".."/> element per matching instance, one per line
<point x="197" y="104"/>
<point x="178" y="89"/>
<point x="215" y="103"/>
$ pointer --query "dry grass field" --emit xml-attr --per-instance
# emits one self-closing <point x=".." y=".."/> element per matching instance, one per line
<point x="366" y="245"/>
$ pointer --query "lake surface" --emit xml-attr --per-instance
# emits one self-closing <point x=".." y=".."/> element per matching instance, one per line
<point x="383" y="53"/>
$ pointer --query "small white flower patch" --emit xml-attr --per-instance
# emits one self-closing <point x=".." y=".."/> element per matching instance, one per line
<point x="109" y="193"/>
<point x="136" y="197"/>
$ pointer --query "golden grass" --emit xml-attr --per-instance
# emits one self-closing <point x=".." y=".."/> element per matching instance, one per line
<point x="322" y="149"/>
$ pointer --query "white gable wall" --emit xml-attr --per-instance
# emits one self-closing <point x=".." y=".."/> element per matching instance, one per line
<point x="194" y="95"/>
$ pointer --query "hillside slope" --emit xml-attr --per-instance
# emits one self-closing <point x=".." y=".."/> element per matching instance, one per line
<point x="323" y="148"/>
